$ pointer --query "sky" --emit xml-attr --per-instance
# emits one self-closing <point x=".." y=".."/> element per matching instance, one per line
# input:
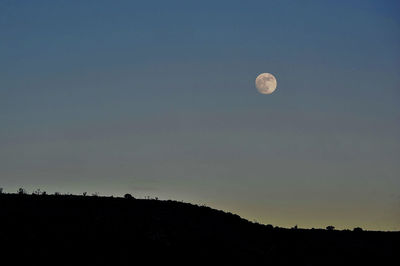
<point x="157" y="98"/>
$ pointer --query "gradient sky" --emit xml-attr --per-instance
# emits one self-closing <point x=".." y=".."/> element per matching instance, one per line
<point x="157" y="98"/>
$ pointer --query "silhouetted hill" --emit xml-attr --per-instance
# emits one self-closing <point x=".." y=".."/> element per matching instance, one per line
<point x="82" y="230"/>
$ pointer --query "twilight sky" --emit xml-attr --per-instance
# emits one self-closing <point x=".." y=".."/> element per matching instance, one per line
<point x="157" y="98"/>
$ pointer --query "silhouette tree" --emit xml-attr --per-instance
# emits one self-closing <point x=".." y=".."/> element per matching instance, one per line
<point x="128" y="196"/>
<point x="84" y="193"/>
<point x="21" y="191"/>
<point x="269" y="226"/>
<point x="1" y="190"/>
<point x="330" y="228"/>
<point x="357" y="229"/>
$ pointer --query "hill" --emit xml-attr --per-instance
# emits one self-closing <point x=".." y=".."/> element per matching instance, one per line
<point x="83" y="230"/>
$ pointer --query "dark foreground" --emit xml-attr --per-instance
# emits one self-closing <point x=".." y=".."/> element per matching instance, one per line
<point x="78" y="230"/>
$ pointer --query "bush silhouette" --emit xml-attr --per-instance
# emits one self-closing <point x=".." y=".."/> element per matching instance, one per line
<point x="128" y="196"/>
<point x="21" y="191"/>
<point x="330" y="228"/>
<point x="269" y="226"/>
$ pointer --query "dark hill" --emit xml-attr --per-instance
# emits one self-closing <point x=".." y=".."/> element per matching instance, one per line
<point x="78" y="230"/>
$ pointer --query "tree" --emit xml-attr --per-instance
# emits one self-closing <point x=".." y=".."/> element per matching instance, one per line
<point x="330" y="228"/>
<point x="21" y="191"/>
<point x="1" y="190"/>
<point x="357" y="229"/>
<point x="128" y="196"/>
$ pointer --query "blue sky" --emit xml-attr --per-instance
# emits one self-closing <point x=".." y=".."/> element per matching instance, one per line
<point x="157" y="98"/>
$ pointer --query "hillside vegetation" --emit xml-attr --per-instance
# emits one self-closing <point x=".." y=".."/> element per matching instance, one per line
<point x="83" y="230"/>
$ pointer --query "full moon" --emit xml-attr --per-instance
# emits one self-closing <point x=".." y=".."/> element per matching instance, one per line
<point x="266" y="83"/>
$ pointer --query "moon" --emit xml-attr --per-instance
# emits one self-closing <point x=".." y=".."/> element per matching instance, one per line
<point x="266" y="83"/>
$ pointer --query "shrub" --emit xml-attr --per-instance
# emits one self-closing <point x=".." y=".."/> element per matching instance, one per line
<point x="128" y="196"/>
<point x="269" y="226"/>
<point x="330" y="228"/>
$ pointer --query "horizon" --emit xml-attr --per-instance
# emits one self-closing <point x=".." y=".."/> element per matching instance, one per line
<point x="159" y="99"/>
